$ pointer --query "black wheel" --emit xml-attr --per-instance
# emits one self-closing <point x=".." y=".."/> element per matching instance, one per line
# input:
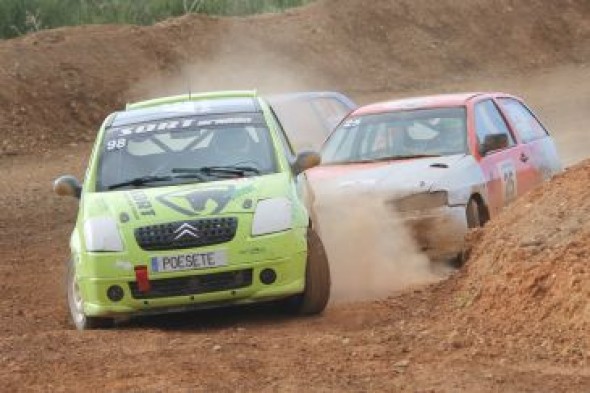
<point x="317" y="279"/>
<point x="76" y="305"/>
<point x="474" y="219"/>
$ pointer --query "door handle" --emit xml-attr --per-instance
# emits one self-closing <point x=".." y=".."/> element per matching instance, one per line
<point x="524" y="157"/>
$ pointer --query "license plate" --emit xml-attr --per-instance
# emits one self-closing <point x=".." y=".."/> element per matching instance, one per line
<point x="205" y="260"/>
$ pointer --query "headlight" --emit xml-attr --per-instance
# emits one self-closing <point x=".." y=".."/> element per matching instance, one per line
<point x="421" y="201"/>
<point x="272" y="215"/>
<point x="102" y="234"/>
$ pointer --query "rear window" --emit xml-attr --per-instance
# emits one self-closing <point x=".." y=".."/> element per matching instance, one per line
<point x="525" y="124"/>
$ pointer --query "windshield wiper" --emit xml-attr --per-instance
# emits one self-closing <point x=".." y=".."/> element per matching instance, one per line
<point x="233" y="170"/>
<point x="140" y="181"/>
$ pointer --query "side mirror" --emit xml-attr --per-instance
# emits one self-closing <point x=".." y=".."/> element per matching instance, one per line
<point x="493" y="142"/>
<point x="67" y="186"/>
<point x="306" y="160"/>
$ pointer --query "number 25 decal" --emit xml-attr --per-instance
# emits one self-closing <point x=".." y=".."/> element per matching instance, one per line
<point x="509" y="181"/>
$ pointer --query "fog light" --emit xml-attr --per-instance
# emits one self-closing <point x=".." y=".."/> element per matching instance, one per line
<point x="115" y="293"/>
<point x="268" y="276"/>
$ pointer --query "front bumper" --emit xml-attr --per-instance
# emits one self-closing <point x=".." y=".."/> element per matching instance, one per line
<point x="238" y="282"/>
<point x="440" y="232"/>
<point x="290" y="273"/>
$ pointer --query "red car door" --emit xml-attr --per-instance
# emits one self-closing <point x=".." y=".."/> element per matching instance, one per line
<point x="538" y="149"/>
<point x="501" y="167"/>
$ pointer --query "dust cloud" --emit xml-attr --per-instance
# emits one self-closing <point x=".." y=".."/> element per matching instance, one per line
<point x="371" y="253"/>
<point x="233" y="61"/>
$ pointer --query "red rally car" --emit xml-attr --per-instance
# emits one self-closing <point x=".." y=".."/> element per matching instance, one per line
<point x="445" y="163"/>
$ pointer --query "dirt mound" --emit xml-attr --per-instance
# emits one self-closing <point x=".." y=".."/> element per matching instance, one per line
<point x="57" y="85"/>
<point x="528" y="275"/>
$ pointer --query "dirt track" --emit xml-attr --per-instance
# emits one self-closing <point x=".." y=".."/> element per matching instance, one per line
<point x="516" y="319"/>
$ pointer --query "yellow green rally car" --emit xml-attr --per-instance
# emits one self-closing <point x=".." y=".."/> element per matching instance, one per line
<point x="191" y="202"/>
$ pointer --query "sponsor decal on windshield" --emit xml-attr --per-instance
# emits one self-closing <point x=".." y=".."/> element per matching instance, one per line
<point x="117" y="137"/>
<point x="175" y="125"/>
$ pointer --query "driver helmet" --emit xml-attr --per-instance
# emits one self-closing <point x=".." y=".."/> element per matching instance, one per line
<point x="232" y="142"/>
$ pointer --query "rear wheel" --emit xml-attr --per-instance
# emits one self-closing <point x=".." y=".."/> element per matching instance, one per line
<point x="76" y="305"/>
<point x="317" y="279"/>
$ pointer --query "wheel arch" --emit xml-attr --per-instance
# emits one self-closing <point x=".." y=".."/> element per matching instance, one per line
<point x="483" y="210"/>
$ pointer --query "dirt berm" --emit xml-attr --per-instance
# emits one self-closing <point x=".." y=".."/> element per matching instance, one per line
<point x="515" y="319"/>
<point x="528" y="274"/>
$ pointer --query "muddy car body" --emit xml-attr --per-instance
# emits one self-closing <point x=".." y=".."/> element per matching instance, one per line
<point x="443" y="163"/>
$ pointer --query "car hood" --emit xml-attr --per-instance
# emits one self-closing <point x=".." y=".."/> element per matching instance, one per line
<point x="400" y="177"/>
<point x="181" y="202"/>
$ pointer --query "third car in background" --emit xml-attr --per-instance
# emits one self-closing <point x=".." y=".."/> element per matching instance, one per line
<point x="309" y="117"/>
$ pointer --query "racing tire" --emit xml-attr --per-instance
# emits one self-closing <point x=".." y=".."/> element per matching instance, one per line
<point x="472" y="211"/>
<point x="317" y="279"/>
<point x="475" y="219"/>
<point x="76" y="305"/>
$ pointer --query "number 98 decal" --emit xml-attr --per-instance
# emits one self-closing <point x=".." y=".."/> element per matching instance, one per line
<point x="116" y="144"/>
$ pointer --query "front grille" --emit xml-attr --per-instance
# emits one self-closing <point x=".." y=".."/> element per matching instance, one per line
<point x="187" y="234"/>
<point x="194" y="285"/>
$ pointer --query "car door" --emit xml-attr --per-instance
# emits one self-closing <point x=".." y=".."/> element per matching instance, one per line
<point x="500" y="167"/>
<point x="538" y="148"/>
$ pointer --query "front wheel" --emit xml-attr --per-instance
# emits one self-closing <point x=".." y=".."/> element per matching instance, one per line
<point x="474" y="219"/>
<point x="317" y="279"/>
<point x="76" y="305"/>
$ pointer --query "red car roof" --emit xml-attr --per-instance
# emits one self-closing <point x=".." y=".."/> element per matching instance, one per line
<point x="435" y="101"/>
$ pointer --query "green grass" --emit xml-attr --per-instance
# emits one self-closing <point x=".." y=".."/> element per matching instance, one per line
<point x="19" y="17"/>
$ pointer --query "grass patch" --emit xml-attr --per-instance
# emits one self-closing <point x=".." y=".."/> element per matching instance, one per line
<point x="19" y="17"/>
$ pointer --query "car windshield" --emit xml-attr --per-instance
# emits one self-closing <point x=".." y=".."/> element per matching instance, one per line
<point x="185" y="149"/>
<point x="398" y="135"/>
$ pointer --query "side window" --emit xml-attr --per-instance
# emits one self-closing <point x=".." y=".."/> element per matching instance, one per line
<point x="331" y="109"/>
<point x="488" y="121"/>
<point x="526" y="125"/>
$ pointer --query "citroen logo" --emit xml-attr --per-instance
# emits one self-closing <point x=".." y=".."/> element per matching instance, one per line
<point x="186" y="230"/>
